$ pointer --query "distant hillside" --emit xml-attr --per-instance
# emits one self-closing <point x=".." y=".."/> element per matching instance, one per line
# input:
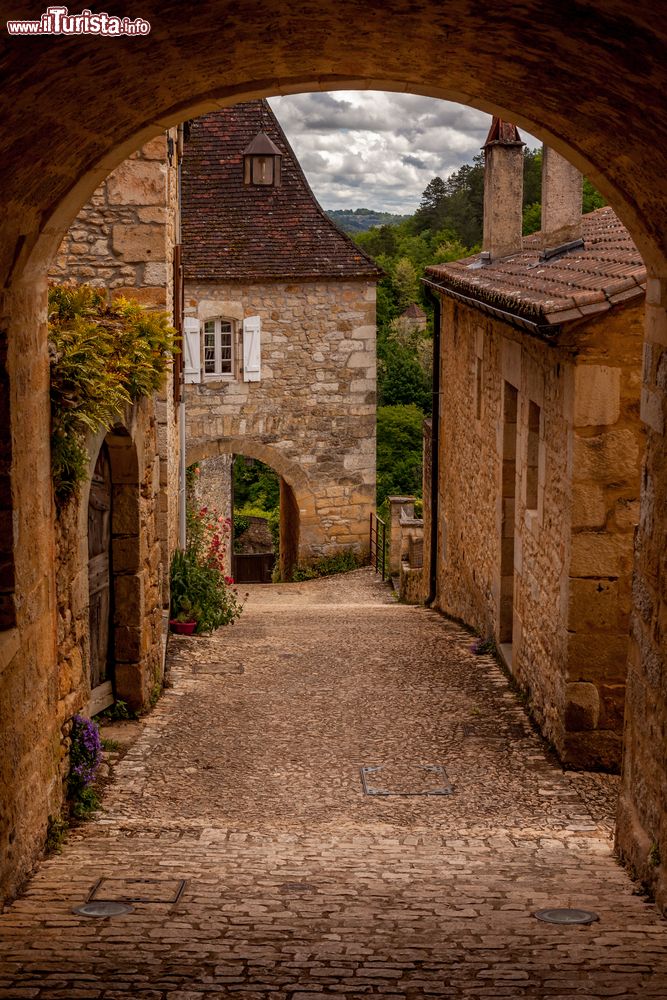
<point x="359" y="220"/>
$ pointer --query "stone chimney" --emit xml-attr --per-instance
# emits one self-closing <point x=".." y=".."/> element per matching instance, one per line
<point x="503" y="190"/>
<point x="562" y="187"/>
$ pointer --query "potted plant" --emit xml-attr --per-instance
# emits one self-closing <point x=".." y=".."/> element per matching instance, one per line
<point x="202" y="596"/>
<point x="184" y="616"/>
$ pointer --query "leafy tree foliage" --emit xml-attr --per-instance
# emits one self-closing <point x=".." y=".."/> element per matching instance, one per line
<point x="592" y="197"/>
<point x="399" y="451"/>
<point x="532" y="218"/>
<point x="255" y="485"/>
<point x="405" y="282"/>
<point x="402" y="379"/>
<point x="103" y="356"/>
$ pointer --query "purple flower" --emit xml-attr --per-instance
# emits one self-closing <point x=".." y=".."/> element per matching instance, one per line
<point x="85" y="753"/>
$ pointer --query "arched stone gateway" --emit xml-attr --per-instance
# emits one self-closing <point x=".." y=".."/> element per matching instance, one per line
<point x="302" y="534"/>
<point x="588" y="79"/>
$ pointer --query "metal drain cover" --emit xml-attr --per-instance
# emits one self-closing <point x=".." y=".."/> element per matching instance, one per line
<point x="566" y="916"/>
<point x="406" y="779"/>
<point x="136" y="890"/>
<point x="219" y="668"/>
<point x="103" y="908"/>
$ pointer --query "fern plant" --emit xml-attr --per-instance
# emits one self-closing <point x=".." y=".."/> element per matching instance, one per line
<point x="103" y="356"/>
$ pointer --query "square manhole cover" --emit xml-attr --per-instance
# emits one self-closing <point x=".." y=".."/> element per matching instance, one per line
<point x="406" y="779"/>
<point x="137" y="890"/>
<point x="219" y="668"/>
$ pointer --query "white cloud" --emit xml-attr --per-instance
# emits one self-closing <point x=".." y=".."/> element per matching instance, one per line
<point x="369" y="149"/>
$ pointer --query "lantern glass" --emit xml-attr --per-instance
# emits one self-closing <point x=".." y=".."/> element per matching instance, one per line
<point x="262" y="170"/>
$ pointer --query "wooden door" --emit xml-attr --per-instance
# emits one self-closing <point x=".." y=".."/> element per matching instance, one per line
<point x="99" y="571"/>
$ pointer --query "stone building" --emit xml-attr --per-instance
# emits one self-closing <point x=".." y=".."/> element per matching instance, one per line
<point x="540" y="449"/>
<point x="280" y="329"/>
<point x="413" y="317"/>
<point x="115" y="539"/>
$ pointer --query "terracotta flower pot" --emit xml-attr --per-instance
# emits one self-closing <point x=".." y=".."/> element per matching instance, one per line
<point x="182" y="628"/>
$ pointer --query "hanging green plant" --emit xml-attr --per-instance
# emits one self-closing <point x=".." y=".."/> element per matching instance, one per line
<point x="103" y="356"/>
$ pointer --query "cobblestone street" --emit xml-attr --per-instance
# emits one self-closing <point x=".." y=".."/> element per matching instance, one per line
<point x="246" y="783"/>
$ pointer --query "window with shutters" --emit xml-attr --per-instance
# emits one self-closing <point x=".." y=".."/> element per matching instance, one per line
<point x="218" y="337"/>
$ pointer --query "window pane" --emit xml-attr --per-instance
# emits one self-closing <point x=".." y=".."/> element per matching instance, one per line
<point x="209" y="326"/>
<point x="226" y="350"/>
<point x="209" y="350"/>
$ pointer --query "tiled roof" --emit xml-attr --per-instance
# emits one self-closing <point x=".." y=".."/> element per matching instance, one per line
<point x="606" y="271"/>
<point x="414" y="311"/>
<point x="237" y="232"/>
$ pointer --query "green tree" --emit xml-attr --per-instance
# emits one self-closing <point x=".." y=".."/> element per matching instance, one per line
<point x="532" y="218"/>
<point x="432" y="198"/>
<point x="255" y="485"/>
<point x="405" y="282"/>
<point x="532" y="177"/>
<point x="448" y="247"/>
<point x="399" y="451"/>
<point x="592" y="198"/>
<point x="402" y="379"/>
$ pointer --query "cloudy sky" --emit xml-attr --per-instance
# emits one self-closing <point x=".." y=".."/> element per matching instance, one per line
<point x="368" y="149"/>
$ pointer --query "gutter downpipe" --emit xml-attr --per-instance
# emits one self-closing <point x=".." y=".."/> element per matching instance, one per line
<point x="435" y="450"/>
<point x="181" y="476"/>
<point x="182" y="522"/>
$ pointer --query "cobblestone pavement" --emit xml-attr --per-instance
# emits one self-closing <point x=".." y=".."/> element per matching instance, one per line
<point x="246" y="783"/>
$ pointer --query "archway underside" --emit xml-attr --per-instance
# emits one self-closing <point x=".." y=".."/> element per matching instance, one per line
<point x="587" y="78"/>
<point x="547" y="70"/>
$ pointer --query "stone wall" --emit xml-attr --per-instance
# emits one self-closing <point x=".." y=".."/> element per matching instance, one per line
<point x="312" y="415"/>
<point x="427" y="464"/>
<point x="30" y="785"/>
<point x="540" y="457"/>
<point x="123" y="240"/>
<point x="608" y="451"/>
<point x="642" y="820"/>
<point x="213" y="489"/>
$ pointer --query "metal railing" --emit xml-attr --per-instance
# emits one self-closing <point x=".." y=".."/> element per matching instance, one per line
<point x="378" y="544"/>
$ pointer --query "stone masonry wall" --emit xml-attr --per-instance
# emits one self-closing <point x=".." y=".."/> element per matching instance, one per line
<point x="123" y="240"/>
<point x="608" y="451"/>
<point x="213" y="489"/>
<point x="120" y="239"/>
<point x="312" y="415"/>
<point x="560" y="611"/>
<point x="641" y="836"/>
<point x="30" y="786"/>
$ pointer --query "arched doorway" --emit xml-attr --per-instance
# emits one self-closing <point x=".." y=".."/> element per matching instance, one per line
<point x="263" y="511"/>
<point x="100" y="596"/>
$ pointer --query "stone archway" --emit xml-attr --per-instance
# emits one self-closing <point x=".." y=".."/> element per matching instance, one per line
<point x="575" y="75"/>
<point x="302" y="535"/>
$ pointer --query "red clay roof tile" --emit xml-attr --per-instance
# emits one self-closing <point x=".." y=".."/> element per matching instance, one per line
<point x="606" y="271"/>
<point x="241" y="233"/>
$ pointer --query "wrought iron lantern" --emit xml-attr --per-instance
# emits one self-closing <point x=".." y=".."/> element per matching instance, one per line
<point x="261" y="162"/>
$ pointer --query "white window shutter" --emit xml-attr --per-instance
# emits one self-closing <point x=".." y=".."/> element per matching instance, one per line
<point x="191" y="346"/>
<point x="252" y="332"/>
